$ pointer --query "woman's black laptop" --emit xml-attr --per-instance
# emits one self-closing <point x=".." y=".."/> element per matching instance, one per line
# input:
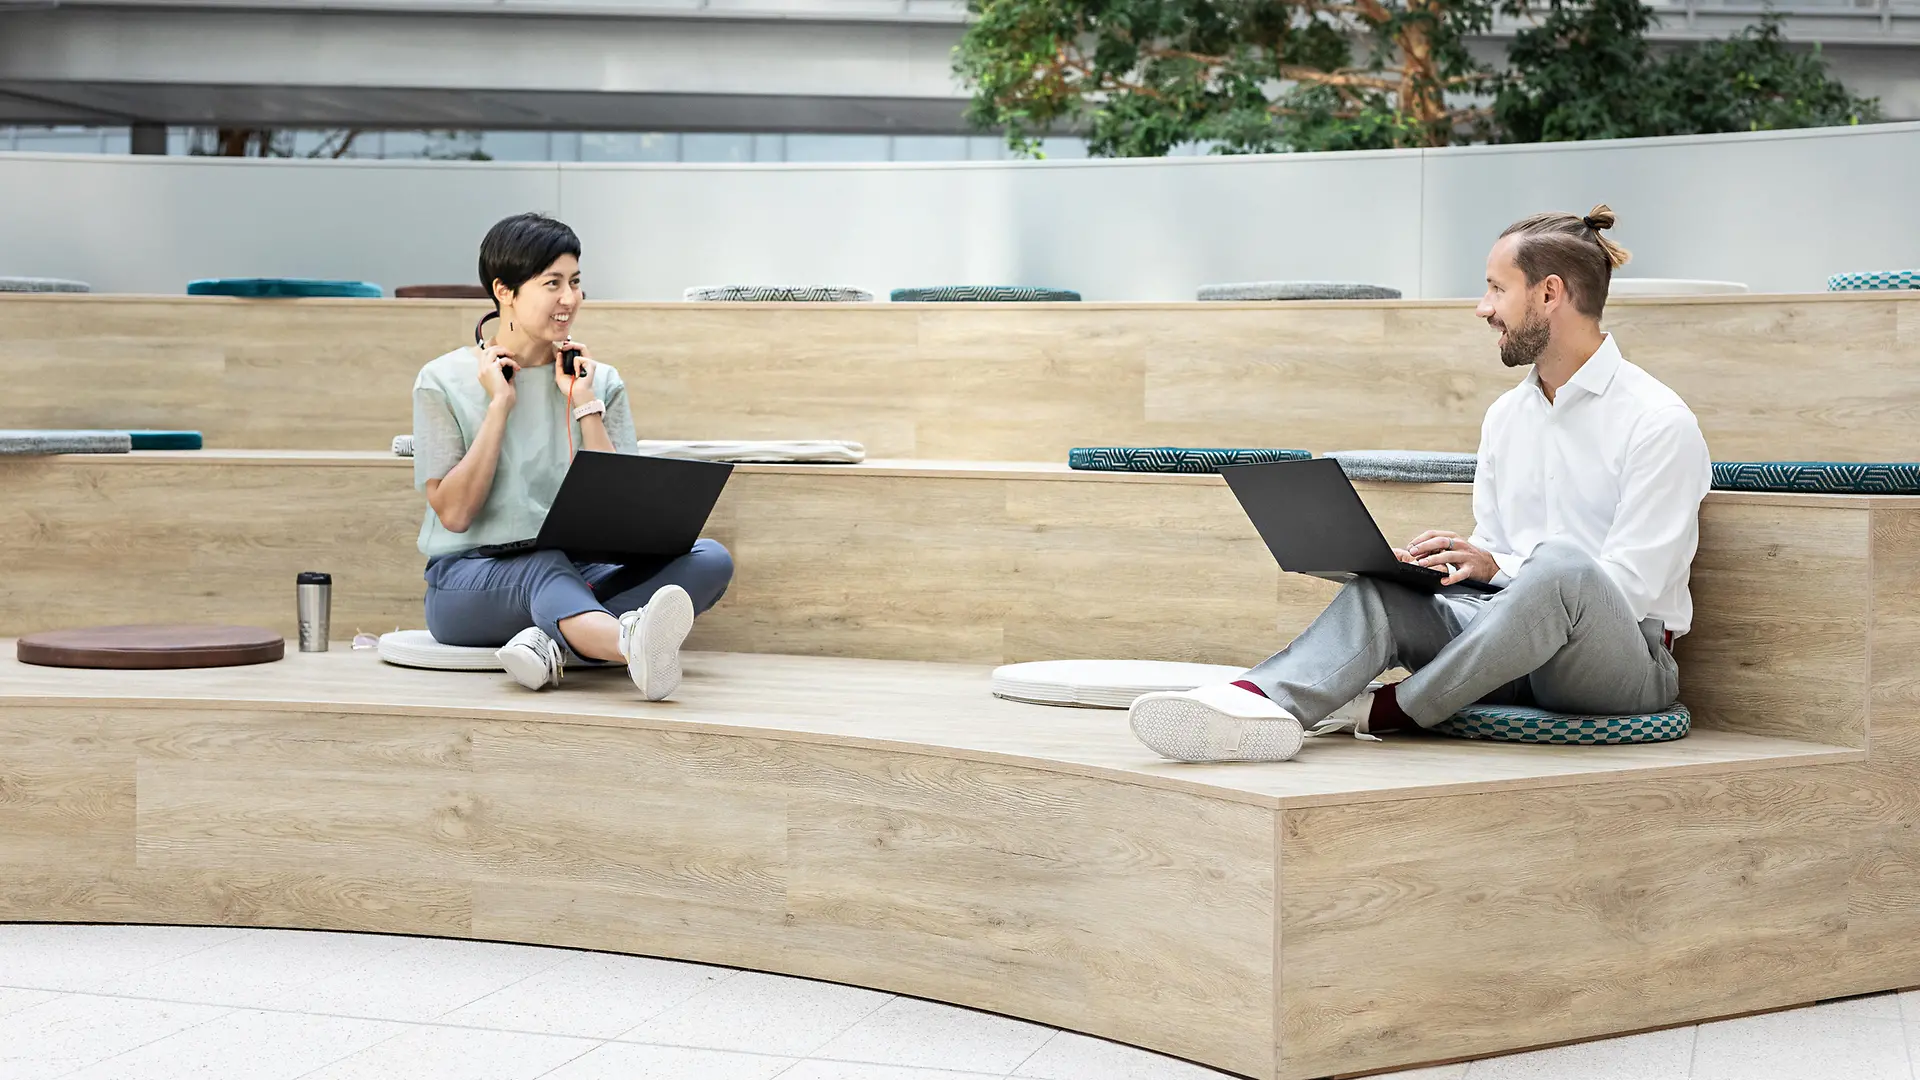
<point x="1315" y="524"/>
<point x="620" y="507"/>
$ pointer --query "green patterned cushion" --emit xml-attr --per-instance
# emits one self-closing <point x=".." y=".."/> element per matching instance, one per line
<point x="1819" y="477"/>
<point x="280" y="287"/>
<point x="1170" y="459"/>
<point x="1514" y="723"/>
<point x="813" y="294"/>
<point x="978" y="294"/>
<point x="1875" y="279"/>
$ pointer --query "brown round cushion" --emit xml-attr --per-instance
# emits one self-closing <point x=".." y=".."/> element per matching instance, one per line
<point x="152" y="647"/>
<point x="442" y="292"/>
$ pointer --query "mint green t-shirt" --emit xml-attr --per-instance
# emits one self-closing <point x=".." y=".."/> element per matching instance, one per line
<point x="449" y="405"/>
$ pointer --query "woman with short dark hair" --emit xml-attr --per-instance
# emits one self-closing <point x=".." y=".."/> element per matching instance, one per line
<point x="494" y="429"/>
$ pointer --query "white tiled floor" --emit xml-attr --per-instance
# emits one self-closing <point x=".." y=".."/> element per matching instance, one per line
<point x="170" y="1003"/>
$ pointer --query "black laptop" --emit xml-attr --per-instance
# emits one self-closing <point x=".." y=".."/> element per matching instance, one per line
<point x="620" y="507"/>
<point x="1315" y="524"/>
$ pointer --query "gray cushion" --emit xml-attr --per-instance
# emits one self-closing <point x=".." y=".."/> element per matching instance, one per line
<point x="1298" y="290"/>
<point x="1407" y="466"/>
<point x="65" y="442"/>
<point x="843" y="294"/>
<point x="983" y="294"/>
<point x="42" y="284"/>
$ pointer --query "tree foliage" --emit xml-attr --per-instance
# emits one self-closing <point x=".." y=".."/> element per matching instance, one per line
<point x="1586" y="71"/>
<point x="1141" y="77"/>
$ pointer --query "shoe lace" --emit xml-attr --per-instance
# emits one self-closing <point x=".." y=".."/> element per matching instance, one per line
<point x="556" y="660"/>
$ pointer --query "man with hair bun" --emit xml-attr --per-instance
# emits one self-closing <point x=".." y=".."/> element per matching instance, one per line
<point x="1586" y="506"/>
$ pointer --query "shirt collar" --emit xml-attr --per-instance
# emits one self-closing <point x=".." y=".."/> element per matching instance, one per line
<point x="1597" y="373"/>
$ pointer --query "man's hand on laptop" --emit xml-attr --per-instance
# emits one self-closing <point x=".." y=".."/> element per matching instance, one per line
<point x="1450" y="553"/>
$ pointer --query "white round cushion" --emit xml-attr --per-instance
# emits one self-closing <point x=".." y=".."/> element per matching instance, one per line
<point x="1102" y="684"/>
<point x="416" y="648"/>
<point x="1655" y="286"/>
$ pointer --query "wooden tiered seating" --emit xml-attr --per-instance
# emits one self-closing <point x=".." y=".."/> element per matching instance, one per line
<point x="835" y="794"/>
<point x="1806" y="376"/>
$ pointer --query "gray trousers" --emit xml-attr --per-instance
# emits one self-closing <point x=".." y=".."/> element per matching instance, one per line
<point x="474" y="600"/>
<point x="1559" y="637"/>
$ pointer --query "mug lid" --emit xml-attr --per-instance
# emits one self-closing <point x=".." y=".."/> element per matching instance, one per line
<point x="314" y="577"/>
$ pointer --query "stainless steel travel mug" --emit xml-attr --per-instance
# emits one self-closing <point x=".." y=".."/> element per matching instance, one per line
<point x="315" y="592"/>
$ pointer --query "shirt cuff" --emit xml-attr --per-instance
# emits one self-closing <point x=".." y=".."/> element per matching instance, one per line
<point x="1509" y="567"/>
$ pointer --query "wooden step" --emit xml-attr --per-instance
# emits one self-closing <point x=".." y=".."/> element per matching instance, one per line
<point x="1771" y="377"/>
<point x="890" y="824"/>
<point x="964" y="562"/>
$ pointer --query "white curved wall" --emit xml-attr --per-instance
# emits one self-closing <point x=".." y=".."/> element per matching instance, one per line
<point x="1777" y="211"/>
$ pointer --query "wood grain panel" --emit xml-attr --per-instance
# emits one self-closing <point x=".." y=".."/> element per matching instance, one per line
<point x="984" y="565"/>
<point x="1771" y="377"/>
<point x="1541" y="919"/>
<point x="1780" y="606"/>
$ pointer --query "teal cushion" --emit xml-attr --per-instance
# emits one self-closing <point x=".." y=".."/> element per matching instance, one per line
<point x="1875" y="280"/>
<point x="280" y="287"/>
<point x="1514" y="723"/>
<point x="1819" y="477"/>
<point x="166" y="440"/>
<point x="1001" y="294"/>
<point x="1170" y="459"/>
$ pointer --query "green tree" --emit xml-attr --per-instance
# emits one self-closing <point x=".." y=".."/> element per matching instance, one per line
<point x="1586" y="72"/>
<point x="1144" y="76"/>
<point x="1140" y="77"/>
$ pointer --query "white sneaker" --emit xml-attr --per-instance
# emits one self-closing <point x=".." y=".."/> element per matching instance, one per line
<point x="1353" y="716"/>
<point x="1222" y="722"/>
<point x="533" y="659"/>
<point x="651" y="639"/>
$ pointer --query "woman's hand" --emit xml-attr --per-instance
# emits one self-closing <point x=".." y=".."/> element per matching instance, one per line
<point x="578" y="387"/>
<point x="1438" y="548"/>
<point x="495" y="364"/>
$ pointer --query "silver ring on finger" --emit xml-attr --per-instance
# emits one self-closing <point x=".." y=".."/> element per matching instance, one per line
<point x="1449" y="543"/>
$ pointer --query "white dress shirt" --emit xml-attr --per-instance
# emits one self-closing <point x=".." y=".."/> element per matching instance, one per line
<point x="1615" y="463"/>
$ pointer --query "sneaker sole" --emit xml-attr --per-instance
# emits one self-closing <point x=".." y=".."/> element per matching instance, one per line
<point x="1185" y="730"/>
<point x="664" y="627"/>
<point x="526" y="666"/>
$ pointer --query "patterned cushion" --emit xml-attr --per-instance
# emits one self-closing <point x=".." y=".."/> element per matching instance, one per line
<point x="1514" y="723"/>
<point x="1004" y="294"/>
<point x="1170" y="459"/>
<point x="42" y="284"/>
<point x="1298" y="290"/>
<point x="1819" y="477"/>
<point x="1875" y="279"/>
<point x="64" y="442"/>
<point x="1407" y="466"/>
<point x="843" y="294"/>
<point x="166" y="440"/>
<point x="280" y="287"/>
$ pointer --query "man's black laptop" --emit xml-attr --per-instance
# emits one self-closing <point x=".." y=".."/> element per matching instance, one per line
<point x="1315" y="524"/>
<point x="620" y="507"/>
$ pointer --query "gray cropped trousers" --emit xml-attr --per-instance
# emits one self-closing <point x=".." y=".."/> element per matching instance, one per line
<point x="1559" y="637"/>
<point x="474" y="600"/>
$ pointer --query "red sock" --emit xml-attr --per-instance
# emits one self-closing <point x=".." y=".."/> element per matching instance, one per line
<point x="1245" y="685"/>
<point x="1385" y="715"/>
